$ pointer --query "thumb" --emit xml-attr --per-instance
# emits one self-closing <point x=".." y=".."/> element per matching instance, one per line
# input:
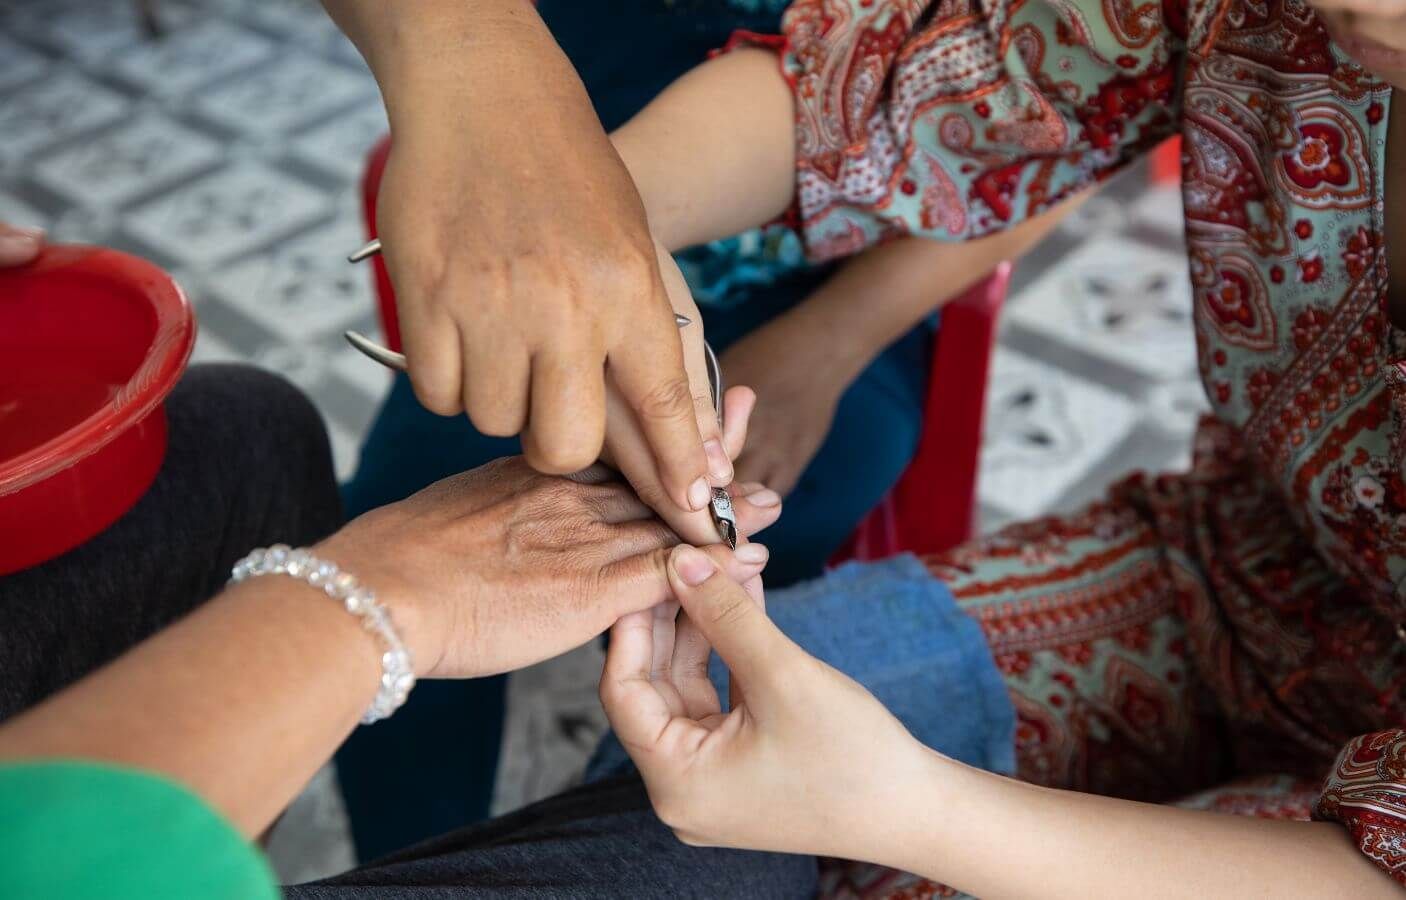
<point x="748" y="642"/>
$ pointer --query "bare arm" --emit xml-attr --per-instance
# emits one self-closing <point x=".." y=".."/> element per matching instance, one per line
<point x="714" y="154"/>
<point x="811" y="763"/>
<point x="484" y="572"/>
<point x="964" y="825"/>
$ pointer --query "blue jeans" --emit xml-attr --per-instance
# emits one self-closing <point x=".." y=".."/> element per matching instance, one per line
<point x="898" y="631"/>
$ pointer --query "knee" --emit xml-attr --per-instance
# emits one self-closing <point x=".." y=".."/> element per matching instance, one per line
<point x="253" y="409"/>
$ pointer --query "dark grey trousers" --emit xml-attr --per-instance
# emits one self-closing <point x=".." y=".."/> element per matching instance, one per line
<point x="247" y="466"/>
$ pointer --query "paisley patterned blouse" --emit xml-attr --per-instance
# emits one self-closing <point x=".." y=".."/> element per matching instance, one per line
<point x="957" y="119"/>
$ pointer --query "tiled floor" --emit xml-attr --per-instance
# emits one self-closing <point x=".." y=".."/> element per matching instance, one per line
<point x="228" y="153"/>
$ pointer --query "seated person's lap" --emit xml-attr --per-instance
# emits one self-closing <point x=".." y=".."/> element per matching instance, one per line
<point x="247" y="464"/>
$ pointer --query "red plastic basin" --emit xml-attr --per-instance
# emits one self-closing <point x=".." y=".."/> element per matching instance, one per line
<point x="91" y="343"/>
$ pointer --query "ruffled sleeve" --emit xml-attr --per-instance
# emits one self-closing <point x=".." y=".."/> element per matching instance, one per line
<point x="957" y="119"/>
<point x="1366" y="793"/>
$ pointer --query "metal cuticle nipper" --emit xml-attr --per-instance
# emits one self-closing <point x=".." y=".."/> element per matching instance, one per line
<point x="724" y="518"/>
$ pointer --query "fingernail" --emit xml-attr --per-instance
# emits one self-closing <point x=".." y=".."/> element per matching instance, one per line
<point x="719" y="466"/>
<point x="17" y="245"/>
<point x="699" y="493"/>
<point x="693" y="565"/>
<point x="752" y="553"/>
<point x="766" y="497"/>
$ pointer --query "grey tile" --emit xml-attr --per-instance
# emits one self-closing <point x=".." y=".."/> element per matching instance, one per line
<point x="127" y="162"/>
<point x="223" y="216"/>
<point x="341" y="145"/>
<point x="291" y="92"/>
<point x="57" y="108"/>
<point x="208" y="54"/>
<point x="18" y="64"/>
<point x="304" y="287"/>
<point x="1045" y="429"/>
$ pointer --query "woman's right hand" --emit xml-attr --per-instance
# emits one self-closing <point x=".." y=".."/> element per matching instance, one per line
<point x="806" y="761"/>
<point x="19" y="245"/>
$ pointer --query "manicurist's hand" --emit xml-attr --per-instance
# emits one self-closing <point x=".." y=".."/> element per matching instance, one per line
<point x="806" y="758"/>
<point x="502" y="567"/>
<point x="19" y="245"/>
<point x="524" y="270"/>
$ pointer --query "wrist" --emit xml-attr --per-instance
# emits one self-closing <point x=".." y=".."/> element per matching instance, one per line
<point x="412" y="612"/>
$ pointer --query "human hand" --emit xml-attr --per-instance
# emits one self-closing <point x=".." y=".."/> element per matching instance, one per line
<point x="806" y="761"/>
<point x="799" y="379"/>
<point x="501" y="567"/>
<point x="19" y="245"/>
<point x="627" y="447"/>
<point x="525" y="275"/>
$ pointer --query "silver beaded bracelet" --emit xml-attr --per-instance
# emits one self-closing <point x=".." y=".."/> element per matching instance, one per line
<point x="397" y="673"/>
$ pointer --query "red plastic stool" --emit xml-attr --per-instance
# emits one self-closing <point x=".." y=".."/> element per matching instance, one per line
<point x="933" y="506"/>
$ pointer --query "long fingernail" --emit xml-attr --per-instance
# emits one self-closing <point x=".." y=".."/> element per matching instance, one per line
<point x="719" y="466"/>
<point x="752" y="553"/>
<point x="765" y="497"/>
<point x="693" y="566"/>
<point x="699" y="494"/>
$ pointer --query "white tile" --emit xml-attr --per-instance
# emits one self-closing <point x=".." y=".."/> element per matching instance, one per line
<point x="553" y="725"/>
<point x="346" y="449"/>
<point x="211" y="348"/>
<point x="1175" y="407"/>
<point x="127" y="162"/>
<point x="341" y="145"/>
<point x="1119" y="300"/>
<point x="1100" y="214"/>
<point x="303" y="365"/>
<point x="1160" y="208"/>
<point x="208" y="54"/>
<point x="227" y="214"/>
<point x="304" y="288"/>
<point x="54" y="109"/>
<point x="370" y="379"/>
<point x="1045" y="429"/>
<point x="90" y="32"/>
<point x="280" y="97"/>
<point x="18" y="64"/>
<point x="14" y="211"/>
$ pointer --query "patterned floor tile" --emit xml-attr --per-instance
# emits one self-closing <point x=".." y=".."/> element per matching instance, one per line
<point x="1045" y="430"/>
<point x="18" y="64"/>
<point x="90" y="33"/>
<point x="222" y="217"/>
<point x="554" y="723"/>
<point x="339" y="147"/>
<point x="1122" y="300"/>
<point x="57" y="108"/>
<point x="304" y="287"/>
<point x="128" y="162"/>
<point x="291" y="92"/>
<point x="16" y="212"/>
<point x="207" y="54"/>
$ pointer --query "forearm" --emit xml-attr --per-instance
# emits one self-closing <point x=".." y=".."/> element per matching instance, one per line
<point x="242" y="701"/>
<point x="714" y="154"/>
<point x="964" y="826"/>
<point x="877" y="297"/>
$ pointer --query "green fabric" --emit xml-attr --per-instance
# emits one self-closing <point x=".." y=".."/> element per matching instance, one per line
<point x="71" y="830"/>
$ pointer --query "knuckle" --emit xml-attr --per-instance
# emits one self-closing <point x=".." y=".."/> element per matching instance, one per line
<point x="668" y="399"/>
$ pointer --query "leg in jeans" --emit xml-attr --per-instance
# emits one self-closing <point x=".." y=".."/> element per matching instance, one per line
<point x="247" y="465"/>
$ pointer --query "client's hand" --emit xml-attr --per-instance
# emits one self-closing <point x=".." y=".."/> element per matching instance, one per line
<point x="19" y="245"/>
<point x="501" y="567"/>
<point x="807" y="761"/>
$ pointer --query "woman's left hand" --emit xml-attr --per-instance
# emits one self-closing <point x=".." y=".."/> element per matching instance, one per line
<point x="797" y="394"/>
<point x="19" y="245"/>
<point x="807" y="761"/>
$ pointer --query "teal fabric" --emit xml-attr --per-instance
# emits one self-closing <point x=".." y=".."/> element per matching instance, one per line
<point x="81" y="831"/>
